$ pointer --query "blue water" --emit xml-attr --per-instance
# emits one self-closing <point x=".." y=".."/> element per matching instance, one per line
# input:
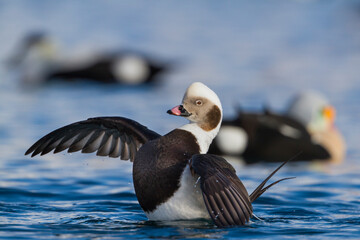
<point x="249" y="53"/>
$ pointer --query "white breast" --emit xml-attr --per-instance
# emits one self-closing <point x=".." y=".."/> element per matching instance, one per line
<point x="186" y="203"/>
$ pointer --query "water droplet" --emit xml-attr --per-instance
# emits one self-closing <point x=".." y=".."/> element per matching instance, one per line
<point x="197" y="181"/>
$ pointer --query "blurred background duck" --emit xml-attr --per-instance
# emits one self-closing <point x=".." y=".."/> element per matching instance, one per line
<point x="307" y="126"/>
<point x="38" y="60"/>
<point x="314" y="111"/>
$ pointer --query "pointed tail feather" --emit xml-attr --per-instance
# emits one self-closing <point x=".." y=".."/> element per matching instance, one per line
<point x="256" y="194"/>
<point x="261" y="189"/>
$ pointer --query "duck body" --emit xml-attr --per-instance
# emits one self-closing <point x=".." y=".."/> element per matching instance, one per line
<point x="160" y="173"/>
<point x="173" y="176"/>
<point x="38" y="60"/>
<point x="267" y="137"/>
<point x="126" y="67"/>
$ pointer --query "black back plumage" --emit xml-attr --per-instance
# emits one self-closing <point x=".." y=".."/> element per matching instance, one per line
<point x="101" y="69"/>
<point x="159" y="165"/>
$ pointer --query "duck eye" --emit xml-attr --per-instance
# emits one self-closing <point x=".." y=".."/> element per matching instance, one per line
<point x="198" y="102"/>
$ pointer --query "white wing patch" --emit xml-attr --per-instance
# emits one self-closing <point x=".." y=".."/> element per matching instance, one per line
<point x="131" y="69"/>
<point x="288" y="131"/>
<point x="232" y="140"/>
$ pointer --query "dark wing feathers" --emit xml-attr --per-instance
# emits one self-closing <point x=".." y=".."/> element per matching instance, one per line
<point x="81" y="140"/>
<point x="115" y="153"/>
<point x="92" y="144"/>
<point x="106" y="145"/>
<point x="108" y="136"/>
<point x="224" y="195"/>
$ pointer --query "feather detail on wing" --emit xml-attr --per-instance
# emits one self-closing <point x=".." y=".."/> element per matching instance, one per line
<point x="107" y="136"/>
<point x="225" y="197"/>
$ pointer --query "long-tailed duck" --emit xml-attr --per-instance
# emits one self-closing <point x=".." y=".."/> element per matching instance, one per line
<point x="168" y="169"/>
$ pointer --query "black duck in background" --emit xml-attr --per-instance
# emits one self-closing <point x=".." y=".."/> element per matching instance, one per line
<point x="123" y="67"/>
<point x="38" y="60"/>
<point x="307" y="126"/>
<point x="269" y="137"/>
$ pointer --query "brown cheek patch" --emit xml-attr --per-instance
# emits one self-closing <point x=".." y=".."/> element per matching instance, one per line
<point x="212" y="119"/>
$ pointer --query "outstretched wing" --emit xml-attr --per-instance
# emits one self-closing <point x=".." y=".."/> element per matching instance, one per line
<point x="108" y="136"/>
<point x="226" y="198"/>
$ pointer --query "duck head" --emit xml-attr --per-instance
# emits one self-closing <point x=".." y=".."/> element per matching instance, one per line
<point x="37" y="46"/>
<point x="313" y="110"/>
<point x="318" y="116"/>
<point x="200" y="105"/>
